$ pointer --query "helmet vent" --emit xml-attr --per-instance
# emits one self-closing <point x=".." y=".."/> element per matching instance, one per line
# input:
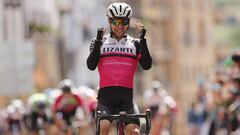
<point x="115" y="10"/>
<point x="125" y="10"/>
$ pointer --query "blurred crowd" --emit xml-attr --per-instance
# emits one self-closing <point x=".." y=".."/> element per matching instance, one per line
<point x="67" y="110"/>
<point x="216" y="108"/>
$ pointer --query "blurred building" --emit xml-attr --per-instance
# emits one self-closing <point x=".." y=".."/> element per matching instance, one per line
<point x="42" y="21"/>
<point x="16" y="52"/>
<point x="226" y="31"/>
<point x="180" y="38"/>
<point x="78" y="27"/>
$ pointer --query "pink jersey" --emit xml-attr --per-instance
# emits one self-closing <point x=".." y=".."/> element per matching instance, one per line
<point x="118" y="62"/>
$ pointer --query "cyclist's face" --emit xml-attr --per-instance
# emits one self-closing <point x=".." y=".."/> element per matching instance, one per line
<point x="66" y="93"/>
<point x="119" y="26"/>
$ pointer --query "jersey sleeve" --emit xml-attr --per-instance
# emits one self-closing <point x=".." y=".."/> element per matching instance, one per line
<point x="55" y="106"/>
<point x="143" y="54"/>
<point x="94" y="55"/>
<point x="92" y="45"/>
<point x="81" y="103"/>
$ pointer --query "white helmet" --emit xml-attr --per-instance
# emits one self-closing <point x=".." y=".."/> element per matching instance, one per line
<point x="66" y="85"/>
<point x="121" y="10"/>
<point x="156" y="85"/>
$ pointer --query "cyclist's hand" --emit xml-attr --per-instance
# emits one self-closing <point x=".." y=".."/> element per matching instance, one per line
<point x="98" y="41"/>
<point x="100" y="33"/>
<point x="141" y="29"/>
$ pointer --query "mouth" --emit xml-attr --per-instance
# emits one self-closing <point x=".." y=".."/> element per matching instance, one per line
<point x="120" y="31"/>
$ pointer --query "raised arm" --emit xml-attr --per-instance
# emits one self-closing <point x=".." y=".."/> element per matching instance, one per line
<point x="145" y="59"/>
<point x="94" y="55"/>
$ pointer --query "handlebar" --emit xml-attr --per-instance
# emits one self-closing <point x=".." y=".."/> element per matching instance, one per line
<point x="124" y="117"/>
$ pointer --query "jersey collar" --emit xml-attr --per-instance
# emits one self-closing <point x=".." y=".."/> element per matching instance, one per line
<point x="122" y="40"/>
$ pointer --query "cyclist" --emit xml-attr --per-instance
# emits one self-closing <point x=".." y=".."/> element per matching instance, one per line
<point x="154" y="97"/>
<point x="162" y="107"/>
<point x="37" y="111"/>
<point x="66" y="104"/>
<point x="15" y="112"/>
<point x="116" y="55"/>
<point x="90" y="99"/>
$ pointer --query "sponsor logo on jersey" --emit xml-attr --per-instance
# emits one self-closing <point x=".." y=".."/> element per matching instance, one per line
<point x="118" y="49"/>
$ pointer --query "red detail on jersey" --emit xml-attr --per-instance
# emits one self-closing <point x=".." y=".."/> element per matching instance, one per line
<point x="58" y="104"/>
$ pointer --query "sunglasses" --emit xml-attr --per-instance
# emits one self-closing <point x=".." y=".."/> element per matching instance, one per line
<point x="118" y="22"/>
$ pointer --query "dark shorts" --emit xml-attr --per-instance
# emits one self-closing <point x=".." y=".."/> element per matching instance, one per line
<point x="14" y="124"/>
<point x="112" y="100"/>
<point x="34" y="120"/>
<point x="68" y="116"/>
<point x="154" y="110"/>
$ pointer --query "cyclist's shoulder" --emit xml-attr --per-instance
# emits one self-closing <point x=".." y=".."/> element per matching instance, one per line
<point x="105" y="37"/>
<point x="76" y="96"/>
<point x="135" y="42"/>
<point x="129" y="38"/>
<point x="37" y="97"/>
<point x="59" y="97"/>
<point x="57" y="101"/>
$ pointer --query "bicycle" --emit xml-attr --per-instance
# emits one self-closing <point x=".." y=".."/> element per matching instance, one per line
<point x="77" y="124"/>
<point x="121" y="118"/>
<point x="40" y="126"/>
